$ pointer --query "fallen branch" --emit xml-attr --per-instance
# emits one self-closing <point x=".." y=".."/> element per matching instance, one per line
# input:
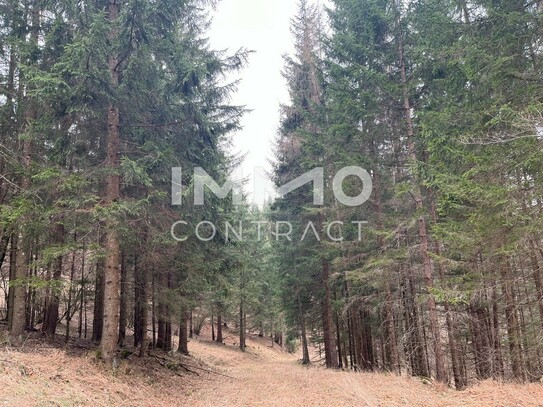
<point x="171" y="364"/>
<point x="186" y="367"/>
<point x="211" y="371"/>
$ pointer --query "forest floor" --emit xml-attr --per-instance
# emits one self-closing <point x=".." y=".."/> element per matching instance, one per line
<point x="38" y="374"/>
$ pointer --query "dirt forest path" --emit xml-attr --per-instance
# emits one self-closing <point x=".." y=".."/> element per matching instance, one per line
<point x="44" y="375"/>
<point x="262" y="377"/>
<point x="268" y="377"/>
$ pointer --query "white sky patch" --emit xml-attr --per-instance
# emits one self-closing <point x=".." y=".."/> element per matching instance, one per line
<point x="262" y="26"/>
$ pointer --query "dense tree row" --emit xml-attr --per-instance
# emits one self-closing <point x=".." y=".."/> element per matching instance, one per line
<point x="440" y="100"/>
<point x="99" y="101"/>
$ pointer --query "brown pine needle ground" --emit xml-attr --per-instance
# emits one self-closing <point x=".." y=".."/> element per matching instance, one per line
<point x="262" y="376"/>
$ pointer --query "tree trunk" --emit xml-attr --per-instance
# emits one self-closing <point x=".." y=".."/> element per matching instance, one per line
<point x="305" y="349"/>
<point x="338" y="341"/>
<point x="525" y="357"/>
<point x="330" y="350"/>
<point x="153" y="307"/>
<point x="357" y="341"/>
<point x="458" y="375"/>
<point x="123" y="314"/>
<point x="18" y="314"/>
<point x="498" y="367"/>
<point x="31" y="292"/>
<point x="110" y="334"/>
<point x="513" y="332"/>
<point x="465" y="11"/>
<point x="12" y="272"/>
<point x="4" y="243"/>
<point x="212" y="327"/>
<point x="98" y="314"/>
<point x="536" y="274"/>
<point x="219" y="327"/>
<point x="168" y="336"/>
<point x="82" y="303"/>
<point x="139" y="300"/>
<point x="183" y="334"/>
<point x="49" y="325"/>
<point x="351" y="338"/>
<point x="367" y="357"/>
<point x="441" y="373"/>
<point x="18" y="286"/>
<point x="164" y="337"/>
<point x="161" y="332"/>
<point x="69" y="312"/>
<point x="241" y="325"/>
<point x="535" y="345"/>
<point x="414" y="346"/>
<point x="191" y="330"/>
<point x="480" y="345"/>
<point x="390" y="345"/>
<point x="144" y="310"/>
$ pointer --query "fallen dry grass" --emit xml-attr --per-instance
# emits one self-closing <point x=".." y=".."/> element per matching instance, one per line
<point x="266" y="377"/>
<point x="41" y="375"/>
<point x="54" y="377"/>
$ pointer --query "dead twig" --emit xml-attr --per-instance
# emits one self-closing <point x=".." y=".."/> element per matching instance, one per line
<point x="174" y="362"/>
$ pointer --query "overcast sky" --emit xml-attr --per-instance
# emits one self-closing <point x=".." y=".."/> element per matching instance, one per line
<point x="264" y="27"/>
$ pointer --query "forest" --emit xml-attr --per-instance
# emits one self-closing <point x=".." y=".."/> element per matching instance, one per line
<point x="438" y="275"/>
